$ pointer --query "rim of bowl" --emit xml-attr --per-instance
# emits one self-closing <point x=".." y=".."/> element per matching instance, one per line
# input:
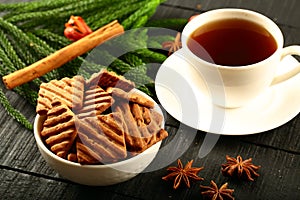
<point x="41" y="144"/>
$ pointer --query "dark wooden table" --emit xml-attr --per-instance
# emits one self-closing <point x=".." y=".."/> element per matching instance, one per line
<point x="25" y="175"/>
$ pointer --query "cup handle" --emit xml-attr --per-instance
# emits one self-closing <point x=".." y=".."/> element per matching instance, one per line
<point x="291" y="50"/>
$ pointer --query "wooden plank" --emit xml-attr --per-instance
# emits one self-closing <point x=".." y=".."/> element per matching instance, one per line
<point x="282" y="12"/>
<point x="279" y="170"/>
<point x="278" y="183"/>
<point x="278" y="175"/>
<point x="186" y="4"/>
<point x="285" y="138"/>
<point x="291" y="35"/>
<point x="171" y="12"/>
<point x="17" y="185"/>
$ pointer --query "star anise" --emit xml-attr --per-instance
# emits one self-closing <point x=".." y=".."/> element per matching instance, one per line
<point x="173" y="46"/>
<point x="241" y="169"/>
<point x="178" y="173"/>
<point x="214" y="193"/>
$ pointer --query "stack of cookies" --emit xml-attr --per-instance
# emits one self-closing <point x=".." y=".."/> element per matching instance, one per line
<point x="97" y="121"/>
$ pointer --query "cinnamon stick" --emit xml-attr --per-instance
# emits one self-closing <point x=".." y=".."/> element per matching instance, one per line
<point x="63" y="55"/>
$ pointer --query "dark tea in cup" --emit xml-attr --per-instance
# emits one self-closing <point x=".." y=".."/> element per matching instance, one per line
<point x="232" y="42"/>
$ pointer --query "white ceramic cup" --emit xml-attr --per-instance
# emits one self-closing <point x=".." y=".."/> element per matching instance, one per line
<point x="232" y="87"/>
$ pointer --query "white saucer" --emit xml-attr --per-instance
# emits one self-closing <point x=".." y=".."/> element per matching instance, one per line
<point x="185" y="102"/>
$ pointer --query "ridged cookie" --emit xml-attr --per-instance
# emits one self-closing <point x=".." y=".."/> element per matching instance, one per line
<point x="140" y="132"/>
<point x="131" y="96"/>
<point x="59" y="129"/>
<point x="95" y="102"/>
<point x="101" y="139"/>
<point x="107" y="79"/>
<point x="68" y="90"/>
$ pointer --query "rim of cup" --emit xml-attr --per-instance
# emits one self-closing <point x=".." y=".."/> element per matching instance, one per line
<point x="232" y="13"/>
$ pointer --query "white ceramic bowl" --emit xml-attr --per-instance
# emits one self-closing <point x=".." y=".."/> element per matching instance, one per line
<point x="95" y="175"/>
